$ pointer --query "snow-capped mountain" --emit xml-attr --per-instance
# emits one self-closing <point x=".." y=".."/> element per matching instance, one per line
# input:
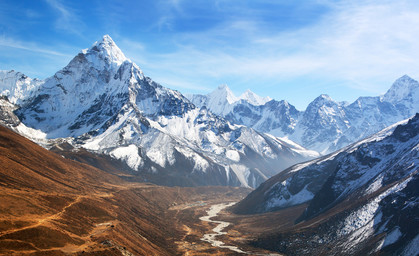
<point x="362" y="199"/>
<point x="222" y="100"/>
<point x="253" y="98"/>
<point x="16" y="86"/>
<point x="93" y="88"/>
<point x="102" y="101"/>
<point x="404" y="94"/>
<point x="326" y="125"/>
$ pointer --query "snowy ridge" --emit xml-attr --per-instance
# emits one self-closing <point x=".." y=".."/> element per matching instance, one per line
<point x="253" y="98"/>
<point x="194" y="137"/>
<point x="401" y="89"/>
<point x="404" y="94"/>
<point x="326" y="125"/>
<point x="101" y="101"/>
<point x="108" y="51"/>
<point x="222" y="100"/>
<point x="314" y="174"/>
<point x="364" y="197"/>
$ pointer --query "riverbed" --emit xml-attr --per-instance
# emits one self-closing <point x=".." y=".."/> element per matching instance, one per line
<point x="218" y="230"/>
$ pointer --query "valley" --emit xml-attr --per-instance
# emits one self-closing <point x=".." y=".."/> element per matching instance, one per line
<point x="158" y="220"/>
<point x="51" y="205"/>
<point x="99" y="159"/>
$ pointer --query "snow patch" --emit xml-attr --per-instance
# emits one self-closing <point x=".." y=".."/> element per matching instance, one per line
<point x="391" y="238"/>
<point x="377" y="184"/>
<point x="128" y="154"/>
<point x="33" y="134"/>
<point x="361" y="217"/>
<point x="233" y="155"/>
<point x="242" y="173"/>
<point x="360" y="223"/>
<point x="286" y="198"/>
<point x="160" y="149"/>
<point x="200" y="163"/>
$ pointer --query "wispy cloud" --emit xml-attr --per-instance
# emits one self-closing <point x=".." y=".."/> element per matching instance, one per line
<point x="67" y="20"/>
<point x="364" y="42"/>
<point x="28" y="46"/>
<point x="357" y="42"/>
<point x="168" y="10"/>
<point x="33" y="59"/>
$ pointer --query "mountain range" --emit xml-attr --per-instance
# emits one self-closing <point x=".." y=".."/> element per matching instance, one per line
<point x="326" y="125"/>
<point x="102" y="102"/>
<point x="360" y="200"/>
<point x="350" y="189"/>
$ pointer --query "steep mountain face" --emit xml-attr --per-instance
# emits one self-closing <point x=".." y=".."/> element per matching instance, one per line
<point x="404" y="94"/>
<point x="325" y="126"/>
<point x="17" y="86"/>
<point x="274" y="115"/>
<point x="9" y="119"/>
<point x="92" y="89"/>
<point x="7" y="112"/>
<point x="101" y="101"/>
<point x="323" y="121"/>
<point x="359" y="200"/>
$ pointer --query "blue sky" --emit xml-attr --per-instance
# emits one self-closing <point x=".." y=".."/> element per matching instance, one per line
<point x="292" y="50"/>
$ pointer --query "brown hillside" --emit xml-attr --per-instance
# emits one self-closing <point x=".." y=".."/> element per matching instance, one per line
<point x="50" y="205"/>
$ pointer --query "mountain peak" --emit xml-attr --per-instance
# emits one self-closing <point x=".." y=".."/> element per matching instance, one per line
<point x="223" y="87"/>
<point x="401" y="89"/>
<point x="222" y="93"/>
<point x="253" y="98"/>
<point x="107" y="38"/>
<point x="404" y="77"/>
<point x="107" y="50"/>
<point x="323" y="98"/>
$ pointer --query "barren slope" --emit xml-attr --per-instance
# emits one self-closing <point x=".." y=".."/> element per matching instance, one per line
<point x="50" y="205"/>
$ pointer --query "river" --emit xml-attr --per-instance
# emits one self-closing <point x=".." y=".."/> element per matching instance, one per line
<point x="211" y="238"/>
<point x="218" y="230"/>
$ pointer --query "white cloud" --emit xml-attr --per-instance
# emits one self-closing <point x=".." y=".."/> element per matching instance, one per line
<point x="358" y="42"/>
<point x="28" y="46"/>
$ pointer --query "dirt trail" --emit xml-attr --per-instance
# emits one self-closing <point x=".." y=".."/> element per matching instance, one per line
<point x="98" y="229"/>
<point x="42" y="221"/>
<point x="90" y="238"/>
